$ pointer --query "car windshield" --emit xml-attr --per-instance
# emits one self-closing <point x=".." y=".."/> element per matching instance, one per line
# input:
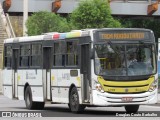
<point x="124" y="59"/>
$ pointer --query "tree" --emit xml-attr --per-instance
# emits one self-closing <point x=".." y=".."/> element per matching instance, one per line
<point x="43" y="22"/>
<point x="153" y="24"/>
<point x="93" y="14"/>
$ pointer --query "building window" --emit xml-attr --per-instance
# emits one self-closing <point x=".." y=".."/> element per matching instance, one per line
<point x="72" y="53"/>
<point x="8" y="56"/>
<point x="24" y="55"/>
<point x="59" y="54"/>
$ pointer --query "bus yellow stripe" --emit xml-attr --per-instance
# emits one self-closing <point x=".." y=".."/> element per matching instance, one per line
<point x="127" y="83"/>
<point x="126" y="86"/>
<point x="126" y="90"/>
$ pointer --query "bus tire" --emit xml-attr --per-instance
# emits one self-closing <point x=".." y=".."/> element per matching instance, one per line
<point x="29" y="102"/>
<point x="131" y="108"/>
<point x="74" y="105"/>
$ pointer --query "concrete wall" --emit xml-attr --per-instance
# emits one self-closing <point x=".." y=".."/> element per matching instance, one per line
<point x="131" y="8"/>
<point x="17" y="24"/>
<point x="118" y="7"/>
<point x="45" y="5"/>
<point x="34" y="5"/>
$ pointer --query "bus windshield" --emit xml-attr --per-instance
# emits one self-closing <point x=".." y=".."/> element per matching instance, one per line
<point x="124" y="59"/>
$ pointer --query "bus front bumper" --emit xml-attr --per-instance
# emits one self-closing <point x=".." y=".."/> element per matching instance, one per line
<point x="108" y="99"/>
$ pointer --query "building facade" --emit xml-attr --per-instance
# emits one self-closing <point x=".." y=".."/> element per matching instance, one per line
<point x="118" y="7"/>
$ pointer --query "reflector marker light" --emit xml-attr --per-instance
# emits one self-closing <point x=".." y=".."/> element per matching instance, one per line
<point x="73" y="34"/>
<point x="66" y="35"/>
<point x="55" y="36"/>
<point x="62" y="35"/>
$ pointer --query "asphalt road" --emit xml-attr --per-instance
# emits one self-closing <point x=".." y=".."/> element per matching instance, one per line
<point x="61" y="111"/>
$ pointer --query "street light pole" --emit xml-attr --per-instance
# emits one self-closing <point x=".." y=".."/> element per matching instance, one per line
<point x="25" y="16"/>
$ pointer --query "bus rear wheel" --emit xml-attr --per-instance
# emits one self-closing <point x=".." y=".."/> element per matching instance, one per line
<point x="29" y="102"/>
<point x="74" y="105"/>
<point x="131" y="108"/>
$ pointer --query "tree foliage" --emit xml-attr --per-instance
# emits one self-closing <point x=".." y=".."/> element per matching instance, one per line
<point x="153" y="24"/>
<point x="43" y="22"/>
<point x="93" y="14"/>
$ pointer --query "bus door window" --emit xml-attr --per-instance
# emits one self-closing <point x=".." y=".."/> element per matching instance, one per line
<point x="24" y="55"/>
<point x="72" y="53"/>
<point x="36" y="54"/>
<point x="59" y="53"/>
<point x="15" y="59"/>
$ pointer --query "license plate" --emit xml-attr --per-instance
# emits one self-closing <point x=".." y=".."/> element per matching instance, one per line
<point x="127" y="99"/>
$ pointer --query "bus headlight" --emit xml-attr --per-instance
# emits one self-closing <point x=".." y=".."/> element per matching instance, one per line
<point x="153" y="86"/>
<point x="99" y="88"/>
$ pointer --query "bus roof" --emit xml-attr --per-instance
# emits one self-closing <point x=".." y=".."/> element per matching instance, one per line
<point x="49" y="36"/>
<point x="72" y="34"/>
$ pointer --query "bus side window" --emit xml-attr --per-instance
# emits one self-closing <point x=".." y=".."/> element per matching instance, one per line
<point x="7" y="56"/>
<point x="72" y="53"/>
<point x="59" y="53"/>
<point x="36" y="54"/>
<point x="24" y="55"/>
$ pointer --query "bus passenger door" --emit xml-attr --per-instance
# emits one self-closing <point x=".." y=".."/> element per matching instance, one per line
<point x="47" y="72"/>
<point x="85" y="72"/>
<point x="15" y="74"/>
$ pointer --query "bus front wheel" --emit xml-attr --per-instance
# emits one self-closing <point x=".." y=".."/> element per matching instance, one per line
<point x="29" y="102"/>
<point x="131" y="108"/>
<point x="74" y="101"/>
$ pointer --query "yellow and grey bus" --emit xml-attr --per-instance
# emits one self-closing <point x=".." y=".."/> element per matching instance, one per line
<point x="92" y="67"/>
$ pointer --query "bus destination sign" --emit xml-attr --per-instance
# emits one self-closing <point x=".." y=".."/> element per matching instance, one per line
<point x="125" y="35"/>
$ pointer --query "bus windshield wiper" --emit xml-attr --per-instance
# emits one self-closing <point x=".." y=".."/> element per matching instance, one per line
<point x="111" y="44"/>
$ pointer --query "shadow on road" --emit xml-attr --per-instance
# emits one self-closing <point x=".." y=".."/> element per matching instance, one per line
<point x="60" y="111"/>
<point x="65" y="112"/>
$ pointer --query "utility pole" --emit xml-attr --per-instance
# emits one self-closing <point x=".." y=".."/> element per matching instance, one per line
<point x="25" y="16"/>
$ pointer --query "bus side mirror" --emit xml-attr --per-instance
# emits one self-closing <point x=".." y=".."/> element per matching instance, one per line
<point x="92" y="54"/>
